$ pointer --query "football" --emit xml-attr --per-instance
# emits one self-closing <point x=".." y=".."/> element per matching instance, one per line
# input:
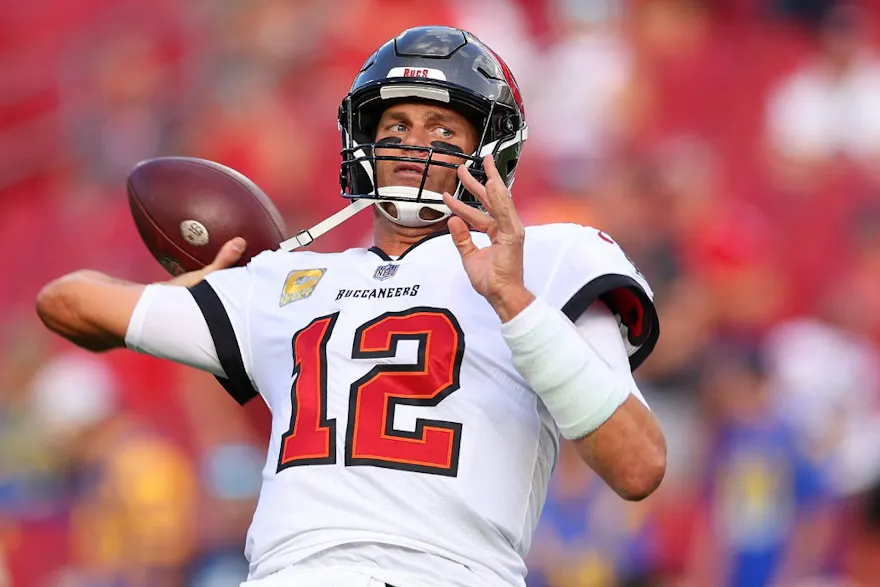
<point x="186" y="208"/>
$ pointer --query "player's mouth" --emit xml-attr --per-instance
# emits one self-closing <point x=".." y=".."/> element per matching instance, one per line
<point x="409" y="174"/>
<point x="409" y="169"/>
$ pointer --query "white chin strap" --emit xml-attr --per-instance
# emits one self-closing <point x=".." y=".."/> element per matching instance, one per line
<point x="307" y="236"/>
<point x="410" y="213"/>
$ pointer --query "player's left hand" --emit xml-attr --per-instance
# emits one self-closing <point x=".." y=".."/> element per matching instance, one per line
<point x="496" y="271"/>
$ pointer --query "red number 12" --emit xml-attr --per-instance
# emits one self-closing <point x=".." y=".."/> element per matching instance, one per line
<point x="371" y="439"/>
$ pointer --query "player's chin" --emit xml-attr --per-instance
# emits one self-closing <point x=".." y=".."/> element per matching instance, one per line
<point x="414" y="180"/>
<point x="438" y="185"/>
<point x="410" y="179"/>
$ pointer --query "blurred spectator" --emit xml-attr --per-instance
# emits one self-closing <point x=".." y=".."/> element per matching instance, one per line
<point x="827" y="108"/>
<point x="230" y="462"/>
<point x="130" y="491"/>
<point x="580" y="107"/>
<point x="853" y="301"/>
<point x="588" y="535"/>
<point x="26" y="485"/>
<point x="31" y="540"/>
<point x="231" y="477"/>
<point x="766" y="500"/>
<point x="502" y="24"/>
<point x="827" y="388"/>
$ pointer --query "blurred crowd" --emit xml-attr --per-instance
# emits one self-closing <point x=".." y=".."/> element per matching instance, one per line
<point x="730" y="146"/>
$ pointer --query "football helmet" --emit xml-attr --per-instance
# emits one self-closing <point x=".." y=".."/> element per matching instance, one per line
<point x="434" y="64"/>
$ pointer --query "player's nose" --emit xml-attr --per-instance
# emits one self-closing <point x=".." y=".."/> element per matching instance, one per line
<point x="417" y="137"/>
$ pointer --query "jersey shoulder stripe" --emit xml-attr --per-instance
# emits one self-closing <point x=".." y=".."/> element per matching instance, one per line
<point x="238" y="384"/>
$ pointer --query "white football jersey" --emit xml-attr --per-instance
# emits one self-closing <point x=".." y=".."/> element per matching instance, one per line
<point x="398" y="418"/>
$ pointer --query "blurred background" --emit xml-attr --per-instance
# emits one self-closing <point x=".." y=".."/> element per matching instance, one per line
<point x="730" y="146"/>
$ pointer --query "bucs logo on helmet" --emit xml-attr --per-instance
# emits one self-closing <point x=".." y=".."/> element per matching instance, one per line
<point x="434" y="63"/>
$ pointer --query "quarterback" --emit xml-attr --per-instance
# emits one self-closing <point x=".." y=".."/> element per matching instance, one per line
<point x="418" y="388"/>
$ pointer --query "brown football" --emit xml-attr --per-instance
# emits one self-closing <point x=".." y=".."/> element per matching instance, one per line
<point x="186" y="208"/>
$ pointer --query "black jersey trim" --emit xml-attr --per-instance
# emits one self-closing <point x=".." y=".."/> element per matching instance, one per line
<point x="237" y="383"/>
<point x="602" y="288"/>
<point x="382" y="254"/>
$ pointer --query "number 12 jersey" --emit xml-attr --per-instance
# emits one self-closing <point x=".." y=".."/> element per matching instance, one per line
<point x="402" y="435"/>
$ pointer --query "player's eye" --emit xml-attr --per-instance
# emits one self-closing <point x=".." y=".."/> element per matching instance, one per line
<point x="397" y="127"/>
<point x="444" y="132"/>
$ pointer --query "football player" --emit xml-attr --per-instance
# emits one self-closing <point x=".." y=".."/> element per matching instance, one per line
<point x="419" y="387"/>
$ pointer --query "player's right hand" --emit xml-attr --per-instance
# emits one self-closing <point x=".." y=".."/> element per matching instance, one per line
<point x="496" y="271"/>
<point x="227" y="256"/>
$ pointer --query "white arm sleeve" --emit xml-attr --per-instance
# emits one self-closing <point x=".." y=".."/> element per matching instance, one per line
<point x="167" y="323"/>
<point x="599" y="327"/>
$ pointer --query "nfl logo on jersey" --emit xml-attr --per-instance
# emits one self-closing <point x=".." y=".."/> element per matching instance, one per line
<point x="385" y="272"/>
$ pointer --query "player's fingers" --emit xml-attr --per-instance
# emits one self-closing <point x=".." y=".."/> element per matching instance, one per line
<point x="490" y="168"/>
<point x="469" y="214"/>
<point x="473" y="186"/>
<point x="504" y="211"/>
<point x="461" y="236"/>
<point x="228" y="254"/>
<point x="498" y="198"/>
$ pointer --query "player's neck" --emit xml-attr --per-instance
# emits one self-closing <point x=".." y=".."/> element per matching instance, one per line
<point x="394" y="240"/>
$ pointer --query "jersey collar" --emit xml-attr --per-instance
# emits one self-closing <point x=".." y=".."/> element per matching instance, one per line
<point x="385" y="257"/>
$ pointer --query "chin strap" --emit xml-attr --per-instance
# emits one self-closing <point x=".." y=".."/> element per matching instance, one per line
<point x="306" y="237"/>
<point x="409" y="202"/>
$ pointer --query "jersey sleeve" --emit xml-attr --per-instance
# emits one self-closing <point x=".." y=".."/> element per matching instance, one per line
<point x="224" y="300"/>
<point x="593" y="267"/>
<point x="167" y="323"/>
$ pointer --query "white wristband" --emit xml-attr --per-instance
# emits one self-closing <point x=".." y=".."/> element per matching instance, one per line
<point x="578" y="387"/>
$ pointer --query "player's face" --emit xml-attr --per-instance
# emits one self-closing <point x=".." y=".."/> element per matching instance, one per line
<point x="423" y="125"/>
